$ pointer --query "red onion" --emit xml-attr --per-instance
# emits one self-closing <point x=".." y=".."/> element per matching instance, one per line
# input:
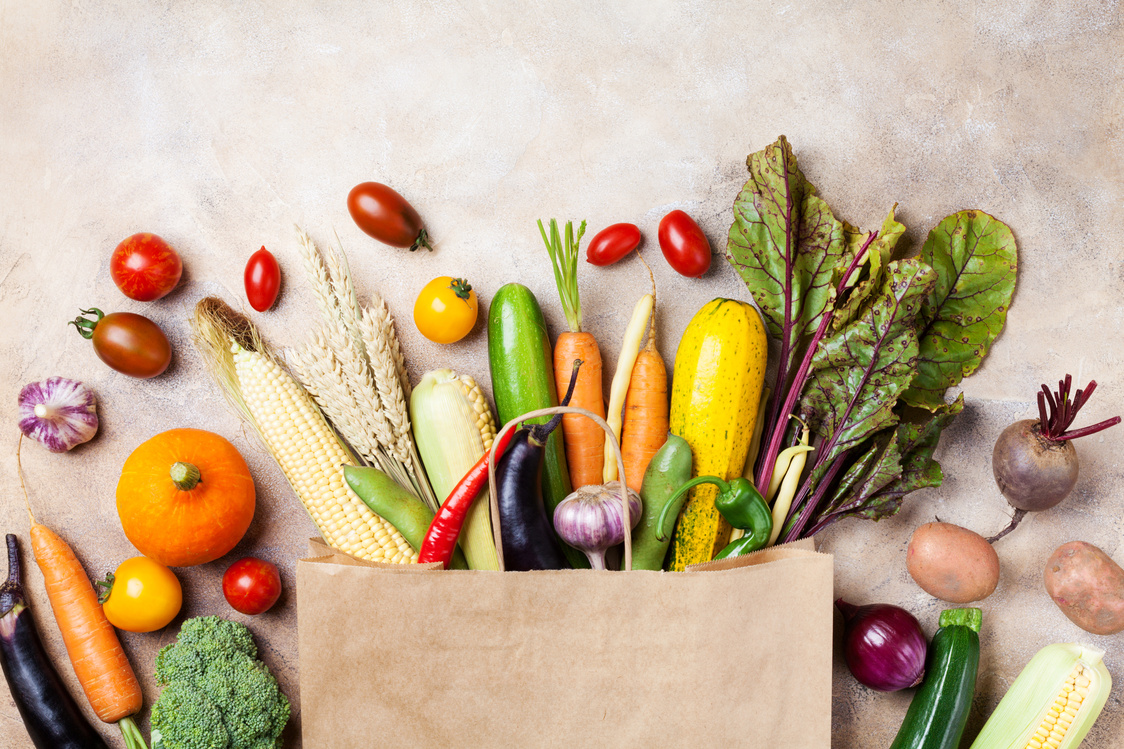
<point x="883" y="645"/>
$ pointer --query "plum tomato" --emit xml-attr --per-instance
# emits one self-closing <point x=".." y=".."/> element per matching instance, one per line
<point x="251" y="586"/>
<point x="385" y="215"/>
<point x="141" y="596"/>
<point x="612" y="243"/>
<point x="145" y="267"/>
<point x="129" y="343"/>
<point x="684" y="245"/>
<point x="446" y="309"/>
<point x="262" y="279"/>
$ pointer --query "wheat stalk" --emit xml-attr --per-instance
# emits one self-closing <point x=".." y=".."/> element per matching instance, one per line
<point x="356" y="362"/>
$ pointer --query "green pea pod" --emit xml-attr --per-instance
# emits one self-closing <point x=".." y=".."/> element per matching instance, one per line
<point x="669" y="468"/>
<point x="395" y="505"/>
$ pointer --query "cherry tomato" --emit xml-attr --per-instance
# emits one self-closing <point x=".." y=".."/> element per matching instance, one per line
<point x="612" y="243"/>
<point x="129" y="343"/>
<point x="684" y="245"/>
<point x="145" y="267"/>
<point x="262" y="279"/>
<point x="385" y="215"/>
<point x="445" y="310"/>
<point x="141" y="596"/>
<point x="251" y="586"/>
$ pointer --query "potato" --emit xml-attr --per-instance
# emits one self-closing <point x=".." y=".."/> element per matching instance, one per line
<point x="1087" y="586"/>
<point x="952" y="563"/>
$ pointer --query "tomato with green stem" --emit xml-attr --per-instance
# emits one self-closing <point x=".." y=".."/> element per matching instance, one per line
<point x="385" y="215"/>
<point x="129" y="343"/>
<point x="446" y="309"/>
<point x="141" y="596"/>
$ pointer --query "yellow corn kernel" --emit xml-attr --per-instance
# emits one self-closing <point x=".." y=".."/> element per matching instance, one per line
<point x="1053" y="703"/>
<point x="312" y="459"/>
<point x="453" y="427"/>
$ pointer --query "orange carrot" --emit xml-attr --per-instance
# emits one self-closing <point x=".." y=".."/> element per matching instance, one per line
<point x="102" y="668"/>
<point x="645" y="414"/>
<point x="584" y="440"/>
<point x="99" y="662"/>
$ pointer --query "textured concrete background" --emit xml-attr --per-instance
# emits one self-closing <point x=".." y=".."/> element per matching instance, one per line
<point x="218" y="128"/>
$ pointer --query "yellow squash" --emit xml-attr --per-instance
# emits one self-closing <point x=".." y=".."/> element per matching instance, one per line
<point x="716" y="388"/>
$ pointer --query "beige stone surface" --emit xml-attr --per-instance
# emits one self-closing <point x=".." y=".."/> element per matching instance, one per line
<point x="219" y="126"/>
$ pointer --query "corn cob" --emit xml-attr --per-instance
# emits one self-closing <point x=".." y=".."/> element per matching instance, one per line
<point x="453" y="427"/>
<point x="1053" y="702"/>
<point x="296" y="433"/>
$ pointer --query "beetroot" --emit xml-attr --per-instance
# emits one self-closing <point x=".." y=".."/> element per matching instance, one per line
<point x="1034" y="461"/>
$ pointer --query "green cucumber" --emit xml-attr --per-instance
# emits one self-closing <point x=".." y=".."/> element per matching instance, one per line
<point x="939" y="711"/>
<point x="668" y="470"/>
<point x="522" y="367"/>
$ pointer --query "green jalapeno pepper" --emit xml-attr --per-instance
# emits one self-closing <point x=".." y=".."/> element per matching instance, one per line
<point x="743" y="507"/>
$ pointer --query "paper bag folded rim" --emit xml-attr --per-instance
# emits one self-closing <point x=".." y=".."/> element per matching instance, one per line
<point x="320" y="553"/>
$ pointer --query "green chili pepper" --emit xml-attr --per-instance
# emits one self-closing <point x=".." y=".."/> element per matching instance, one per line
<point x="743" y="507"/>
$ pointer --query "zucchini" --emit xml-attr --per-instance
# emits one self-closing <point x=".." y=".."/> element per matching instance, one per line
<point x="522" y="368"/>
<point x="939" y="711"/>
<point x="715" y="392"/>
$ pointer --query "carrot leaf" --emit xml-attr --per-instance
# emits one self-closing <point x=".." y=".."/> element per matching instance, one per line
<point x="564" y="259"/>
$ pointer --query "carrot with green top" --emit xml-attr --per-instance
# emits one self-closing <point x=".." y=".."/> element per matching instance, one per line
<point x="584" y="440"/>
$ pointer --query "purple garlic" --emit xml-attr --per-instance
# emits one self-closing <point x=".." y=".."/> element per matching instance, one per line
<point x="58" y="413"/>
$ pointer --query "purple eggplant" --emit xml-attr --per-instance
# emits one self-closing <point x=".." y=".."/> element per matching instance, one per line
<point x="528" y="537"/>
<point x="49" y="713"/>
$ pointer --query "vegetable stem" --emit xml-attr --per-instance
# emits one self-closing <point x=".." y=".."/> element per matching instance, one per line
<point x="765" y="471"/>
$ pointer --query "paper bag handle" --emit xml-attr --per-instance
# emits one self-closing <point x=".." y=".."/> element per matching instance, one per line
<point x="493" y="498"/>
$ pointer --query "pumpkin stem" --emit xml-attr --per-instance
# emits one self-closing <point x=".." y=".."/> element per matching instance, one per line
<point x="185" y="476"/>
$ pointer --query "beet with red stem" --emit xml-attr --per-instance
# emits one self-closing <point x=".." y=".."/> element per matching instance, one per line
<point x="1034" y="461"/>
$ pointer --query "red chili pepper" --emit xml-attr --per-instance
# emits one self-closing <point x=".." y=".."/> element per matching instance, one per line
<point x="441" y="538"/>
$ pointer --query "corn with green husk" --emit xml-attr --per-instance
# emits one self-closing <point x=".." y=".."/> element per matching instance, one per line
<point x="1053" y="703"/>
<point x="453" y="427"/>
<point x="295" y="432"/>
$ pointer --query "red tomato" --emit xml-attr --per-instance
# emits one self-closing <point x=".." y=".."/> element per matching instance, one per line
<point x="684" y="245"/>
<point x="385" y="215"/>
<point x="612" y="243"/>
<point x="144" y="267"/>
<point x="251" y="586"/>
<point x="129" y="343"/>
<point x="263" y="280"/>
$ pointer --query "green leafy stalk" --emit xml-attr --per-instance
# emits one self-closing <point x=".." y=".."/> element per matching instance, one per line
<point x="564" y="259"/>
<point x="861" y="334"/>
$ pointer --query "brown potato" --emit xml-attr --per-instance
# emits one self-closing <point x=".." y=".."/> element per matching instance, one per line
<point x="1087" y="586"/>
<point x="952" y="563"/>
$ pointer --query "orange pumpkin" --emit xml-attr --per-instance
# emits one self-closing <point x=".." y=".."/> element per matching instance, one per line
<point x="185" y="497"/>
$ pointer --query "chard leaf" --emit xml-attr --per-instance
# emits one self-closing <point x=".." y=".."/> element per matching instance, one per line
<point x="877" y="256"/>
<point x="916" y="444"/>
<point x="879" y="466"/>
<point x="858" y="373"/>
<point x="975" y="258"/>
<point x="785" y="243"/>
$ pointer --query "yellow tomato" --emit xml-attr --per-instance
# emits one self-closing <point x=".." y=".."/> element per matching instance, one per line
<point x="446" y="309"/>
<point x="142" y="596"/>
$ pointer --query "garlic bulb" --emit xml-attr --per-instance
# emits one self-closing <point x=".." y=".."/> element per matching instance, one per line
<point x="590" y="519"/>
<point x="58" y="413"/>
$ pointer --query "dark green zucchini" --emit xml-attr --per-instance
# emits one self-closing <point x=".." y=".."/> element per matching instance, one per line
<point x="522" y="365"/>
<point x="939" y="711"/>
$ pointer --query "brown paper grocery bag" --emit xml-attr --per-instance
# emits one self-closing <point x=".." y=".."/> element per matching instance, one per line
<point x="733" y="653"/>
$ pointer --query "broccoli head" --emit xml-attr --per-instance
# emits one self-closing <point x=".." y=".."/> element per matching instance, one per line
<point x="217" y="694"/>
